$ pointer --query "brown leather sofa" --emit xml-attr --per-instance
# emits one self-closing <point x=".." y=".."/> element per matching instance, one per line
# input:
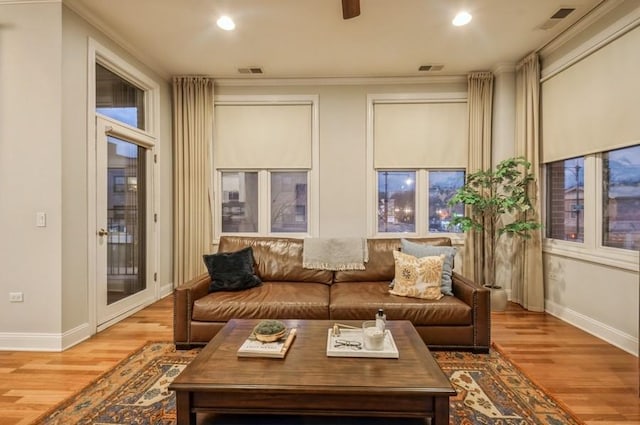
<point x="289" y="291"/>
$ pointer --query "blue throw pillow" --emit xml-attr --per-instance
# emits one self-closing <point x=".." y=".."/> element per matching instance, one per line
<point x="231" y="271"/>
<point x="423" y="250"/>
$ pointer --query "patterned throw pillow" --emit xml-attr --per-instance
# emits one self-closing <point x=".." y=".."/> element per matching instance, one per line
<point x="417" y="277"/>
<point x="423" y="250"/>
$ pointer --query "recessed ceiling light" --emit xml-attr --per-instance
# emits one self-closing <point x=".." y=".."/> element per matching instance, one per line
<point x="226" y="23"/>
<point x="462" y="18"/>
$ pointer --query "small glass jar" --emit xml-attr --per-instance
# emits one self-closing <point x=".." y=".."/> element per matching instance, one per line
<point x="372" y="336"/>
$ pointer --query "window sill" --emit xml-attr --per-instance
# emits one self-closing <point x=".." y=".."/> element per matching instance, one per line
<point x="613" y="257"/>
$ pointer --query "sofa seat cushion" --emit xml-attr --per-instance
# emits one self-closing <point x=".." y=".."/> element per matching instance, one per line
<point x="360" y="301"/>
<point x="273" y="300"/>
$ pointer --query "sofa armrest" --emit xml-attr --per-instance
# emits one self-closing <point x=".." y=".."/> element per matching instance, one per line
<point x="479" y="299"/>
<point x="183" y="299"/>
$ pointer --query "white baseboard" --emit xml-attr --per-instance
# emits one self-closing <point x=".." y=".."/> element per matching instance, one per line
<point x="75" y="336"/>
<point x="36" y="341"/>
<point x="166" y="290"/>
<point x="603" y="331"/>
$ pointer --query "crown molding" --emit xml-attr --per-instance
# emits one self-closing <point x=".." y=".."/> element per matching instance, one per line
<point x="337" y="81"/>
<point x="614" y="31"/>
<point x="589" y="19"/>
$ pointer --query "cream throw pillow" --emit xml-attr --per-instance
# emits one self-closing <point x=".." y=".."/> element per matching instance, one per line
<point x="417" y="277"/>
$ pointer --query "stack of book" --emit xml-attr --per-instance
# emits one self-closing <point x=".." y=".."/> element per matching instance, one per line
<point x="251" y="347"/>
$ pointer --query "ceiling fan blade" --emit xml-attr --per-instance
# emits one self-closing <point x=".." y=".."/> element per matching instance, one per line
<point x="350" y="8"/>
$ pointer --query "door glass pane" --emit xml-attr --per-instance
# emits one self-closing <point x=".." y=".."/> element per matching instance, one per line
<point x="289" y="202"/>
<point x="239" y="202"/>
<point x="396" y="201"/>
<point x="442" y="186"/>
<point x="126" y="205"/>
<point x="119" y="99"/>
<point x="565" y="200"/>
<point x="621" y="198"/>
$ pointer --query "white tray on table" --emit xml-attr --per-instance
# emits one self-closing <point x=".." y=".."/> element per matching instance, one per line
<point x="390" y="350"/>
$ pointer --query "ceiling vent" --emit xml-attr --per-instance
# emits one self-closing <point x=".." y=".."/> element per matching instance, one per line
<point x="558" y="16"/>
<point x="250" y="70"/>
<point x="430" y="68"/>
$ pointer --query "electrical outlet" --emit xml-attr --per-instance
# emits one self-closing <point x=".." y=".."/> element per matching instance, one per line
<point x="16" y="297"/>
<point x="41" y="219"/>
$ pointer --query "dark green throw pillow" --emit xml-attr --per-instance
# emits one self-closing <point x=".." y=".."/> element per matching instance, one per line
<point x="231" y="271"/>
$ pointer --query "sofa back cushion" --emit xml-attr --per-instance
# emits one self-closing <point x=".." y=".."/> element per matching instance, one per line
<point x="276" y="259"/>
<point x="381" y="265"/>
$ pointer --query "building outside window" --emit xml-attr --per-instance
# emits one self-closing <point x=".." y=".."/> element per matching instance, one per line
<point x="621" y="198"/>
<point x="442" y="186"/>
<point x="401" y="204"/>
<point x="240" y="202"/>
<point x="396" y="201"/>
<point x="242" y="192"/>
<point x="288" y="202"/>
<point x="565" y="195"/>
<point x="570" y="218"/>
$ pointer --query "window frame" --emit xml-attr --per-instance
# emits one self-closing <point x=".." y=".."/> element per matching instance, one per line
<point x="421" y="216"/>
<point x="591" y="249"/>
<point x="264" y="174"/>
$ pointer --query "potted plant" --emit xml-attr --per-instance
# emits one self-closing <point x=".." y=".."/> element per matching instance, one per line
<point x="490" y="194"/>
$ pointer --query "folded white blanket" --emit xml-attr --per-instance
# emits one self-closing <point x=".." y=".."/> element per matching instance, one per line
<point x="335" y="253"/>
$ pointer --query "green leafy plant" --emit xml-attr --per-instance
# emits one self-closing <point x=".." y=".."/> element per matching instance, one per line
<point x="490" y="195"/>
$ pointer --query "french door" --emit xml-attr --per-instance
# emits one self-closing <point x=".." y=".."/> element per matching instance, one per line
<point x="124" y="185"/>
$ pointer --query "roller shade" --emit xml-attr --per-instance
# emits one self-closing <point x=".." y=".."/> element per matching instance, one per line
<point x="420" y="135"/>
<point x="594" y="105"/>
<point x="262" y="136"/>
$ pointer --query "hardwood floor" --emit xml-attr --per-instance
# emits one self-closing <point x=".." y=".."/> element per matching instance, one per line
<point x="595" y="380"/>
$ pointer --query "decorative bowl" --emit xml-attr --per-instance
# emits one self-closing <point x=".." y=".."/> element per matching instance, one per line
<point x="269" y="330"/>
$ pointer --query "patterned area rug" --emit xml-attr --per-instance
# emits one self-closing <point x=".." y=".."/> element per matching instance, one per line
<point x="491" y="391"/>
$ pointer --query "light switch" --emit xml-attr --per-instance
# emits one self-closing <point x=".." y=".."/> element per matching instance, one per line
<point x="41" y="219"/>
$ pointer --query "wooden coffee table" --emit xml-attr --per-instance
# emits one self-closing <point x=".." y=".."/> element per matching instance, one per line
<point x="307" y="382"/>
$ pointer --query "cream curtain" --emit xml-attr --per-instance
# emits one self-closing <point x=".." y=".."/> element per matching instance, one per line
<point x="480" y="105"/>
<point x="192" y="139"/>
<point x="527" y="287"/>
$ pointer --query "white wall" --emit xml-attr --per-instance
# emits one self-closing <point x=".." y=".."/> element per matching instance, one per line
<point x="596" y="293"/>
<point x="30" y="170"/>
<point x="43" y="168"/>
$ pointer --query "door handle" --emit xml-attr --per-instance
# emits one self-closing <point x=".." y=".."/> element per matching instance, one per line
<point x="102" y="232"/>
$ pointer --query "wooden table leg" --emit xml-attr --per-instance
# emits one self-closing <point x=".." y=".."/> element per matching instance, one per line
<point x="441" y="411"/>
<point x="184" y="415"/>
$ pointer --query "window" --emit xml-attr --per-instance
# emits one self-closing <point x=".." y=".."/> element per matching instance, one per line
<point x="621" y="198"/>
<point x="267" y="170"/>
<point x="242" y="208"/>
<point x="565" y="200"/>
<point x="288" y="202"/>
<point x="442" y="186"/>
<point x="240" y="202"/>
<point x="396" y="201"/>
<point x="117" y="98"/>
<point x="404" y="208"/>
<point x="577" y="211"/>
